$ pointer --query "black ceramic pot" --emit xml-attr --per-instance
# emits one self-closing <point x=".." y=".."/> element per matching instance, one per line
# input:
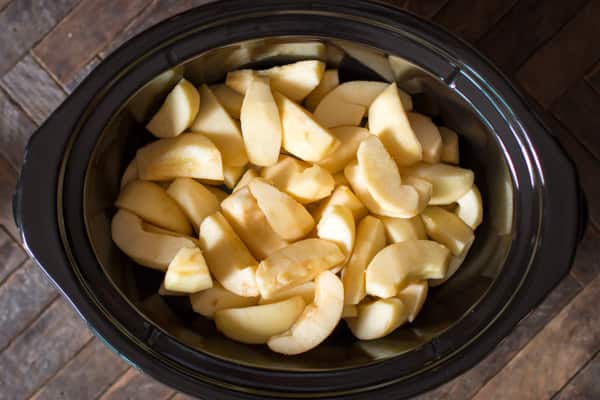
<point x="70" y="179"/>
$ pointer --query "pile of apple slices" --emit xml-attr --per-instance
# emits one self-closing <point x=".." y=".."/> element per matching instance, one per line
<point x="350" y="211"/>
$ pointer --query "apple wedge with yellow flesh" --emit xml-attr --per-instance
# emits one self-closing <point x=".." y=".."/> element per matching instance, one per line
<point x="455" y="263"/>
<point x="288" y="218"/>
<point x="312" y="184"/>
<point x="250" y="174"/>
<point x="256" y="324"/>
<point x="329" y="81"/>
<point x="218" y="126"/>
<point x="349" y="311"/>
<point x="428" y="135"/>
<point x="317" y="321"/>
<point x="413" y="296"/>
<point x="304" y="290"/>
<point x="280" y="173"/>
<point x="220" y="194"/>
<point x="177" y="112"/>
<point x="398" y="264"/>
<point x="149" y="249"/>
<point x="338" y="226"/>
<point x="229" y="99"/>
<point x="447" y="228"/>
<point x="208" y="301"/>
<point x="341" y="196"/>
<point x="378" y="318"/>
<point x="196" y="201"/>
<point x="340" y="179"/>
<point x="423" y="187"/>
<point x="370" y="239"/>
<point x="303" y="136"/>
<point x="401" y="229"/>
<point x="187" y="272"/>
<point x="190" y="155"/>
<point x="359" y="186"/>
<point x="295" y="264"/>
<point x="470" y="208"/>
<point x="152" y="203"/>
<point x="449" y="183"/>
<point x="231" y="175"/>
<point x="228" y="258"/>
<point x="249" y="222"/>
<point x="164" y="292"/>
<point x="450" y="153"/>
<point x="349" y="138"/>
<point x="388" y="120"/>
<point x="130" y="174"/>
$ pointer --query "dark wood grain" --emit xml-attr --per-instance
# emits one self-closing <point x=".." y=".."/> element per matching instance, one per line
<point x="86" y="376"/>
<point x="15" y="129"/>
<point x="75" y="80"/>
<point x="585" y="385"/>
<point x="32" y="87"/>
<point x="24" y="22"/>
<point x="11" y="255"/>
<point x="564" y="59"/>
<point x="36" y="355"/>
<point x="466" y="385"/>
<point x="8" y="180"/>
<point x="4" y="3"/>
<point x="528" y="25"/>
<point x="134" y="385"/>
<point x="536" y="372"/>
<point x="587" y="261"/>
<point x="83" y="33"/>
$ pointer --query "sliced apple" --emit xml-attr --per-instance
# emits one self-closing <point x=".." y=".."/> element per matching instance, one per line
<point x="196" y="201"/>
<point x="187" y="272"/>
<point x="164" y="292"/>
<point x="231" y="175"/>
<point x="388" y="120"/>
<point x="208" y="301"/>
<point x="370" y="239"/>
<point x="229" y="99"/>
<point x="149" y="249"/>
<point x="303" y="136"/>
<point x="152" y="203"/>
<point x="401" y="263"/>
<point x="250" y="174"/>
<point x="310" y="185"/>
<point x="359" y="186"/>
<point x="317" y="321"/>
<point x="329" y="81"/>
<point x="449" y="153"/>
<point x="349" y="138"/>
<point x="295" y="264"/>
<point x="450" y="183"/>
<point x="177" y="112"/>
<point x="130" y="174"/>
<point x="190" y="155"/>
<point x="349" y="311"/>
<point x="413" y="296"/>
<point x="341" y="196"/>
<point x="428" y="134"/>
<point x="218" y="193"/>
<point x="340" y="179"/>
<point x="149" y="97"/>
<point x="448" y="229"/>
<point x="423" y="187"/>
<point x="378" y="318"/>
<point x="338" y="226"/>
<point x="401" y="229"/>
<point x="227" y="256"/>
<point x="280" y="173"/>
<point x="305" y="290"/>
<point x="470" y="208"/>
<point x="286" y="216"/>
<point x="455" y="263"/>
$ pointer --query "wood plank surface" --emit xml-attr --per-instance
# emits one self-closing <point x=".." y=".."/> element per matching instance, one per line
<point x="11" y="255"/>
<point x="8" y="181"/>
<point x="15" y="129"/>
<point x="134" y="385"/>
<point x="585" y="385"/>
<point x="587" y="261"/>
<point x="71" y="84"/>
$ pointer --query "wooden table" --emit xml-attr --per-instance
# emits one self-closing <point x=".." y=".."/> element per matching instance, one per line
<point x="551" y="48"/>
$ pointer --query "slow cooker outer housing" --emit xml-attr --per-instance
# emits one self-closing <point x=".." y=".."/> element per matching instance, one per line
<point x="50" y="189"/>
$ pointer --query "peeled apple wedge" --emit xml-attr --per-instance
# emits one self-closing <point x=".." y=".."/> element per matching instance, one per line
<point x="359" y="186"/>
<point x="423" y="187"/>
<point x="449" y="183"/>
<point x="130" y="174"/>
<point x="388" y="120"/>
<point x="428" y="135"/>
<point x="165" y="292"/>
<point x="231" y="175"/>
<point x="218" y="126"/>
<point x="401" y="229"/>
<point x="228" y="258"/>
<point x="229" y="99"/>
<point x="413" y="297"/>
<point x="288" y="218"/>
<point x="149" y="249"/>
<point x="187" y="272"/>
<point x="340" y="179"/>
<point x="280" y="173"/>
<point x="470" y="208"/>
<point x="312" y="184"/>
<point x="152" y="93"/>
<point x="317" y="321"/>
<point x="341" y="196"/>
<point x="400" y="263"/>
<point x="190" y="155"/>
<point x="218" y="193"/>
<point x="453" y="266"/>
<point x="177" y="112"/>
<point x="329" y="81"/>
<point x="208" y="301"/>
<point x="249" y="222"/>
<point x="338" y="226"/>
<point x="196" y="201"/>
<point x="305" y="290"/>
<point x="245" y="179"/>
<point x="349" y="138"/>
<point x="295" y="264"/>
<point x="378" y="318"/>
<point x="261" y="126"/>
<point x="449" y="153"/>
<point x="303" y="136"/>
<point x="152" y="203"/>
<point x="448" y="229"/>
<point x="350" y="310"/>
<point x="370" y="239"/>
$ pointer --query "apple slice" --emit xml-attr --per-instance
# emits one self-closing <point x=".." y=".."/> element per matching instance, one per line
<point x="280" y="173"/>
<point x="413" y="297"/>
<point x="449" y="153"/>
<point x="195" y="200"/>
<point x="329" y="81"/>
<point x="341" y="196"/>
<point x="218" y="193"/>
<point x="209" y="301"/>
<point x="187" y="272"/>
<point x="450" y="183"/>
<point x="149" y="249"/>
<point x="305" y="290"/>
<point x="388" y="120"/>
<point x="303" y="136"/>
<point x="214" y="122"/>
<point x="152" y="203"/>
<point x="164" y="292"/>
<point x="250" y="174"/>
<point x="359" y="186"/>
<point x="428" y="134"/>
<point x="227" y="256"/>
<point x="177" y="112"/>
<point x="401" y="229"/>
<point x="231" y="175"/>
<point x="455" y="263"/>
<point x="310" y="185"/>
<point x="349" y="311"/>
<point x="249" y="222"/>
<point x="317" y="321"/>
<point x="470" y="208"/>
<point x="338" y="226"/>
<point x="153" y="93"/>
<point x="370" y="239"/>
<point x="349" y="138"/>
<point x="378" y="318"/>
<point x="190" y="155"/>
<point x="295" y="264"/>
<point x="130" y="174"/>
<point x="423" y="187"/>
<point x="400" y="263"/>
<point x="229" y="99"/>
<point x="448" y="229"/>
<point x="340" y="179"/>
<point x="286" y="216"/>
